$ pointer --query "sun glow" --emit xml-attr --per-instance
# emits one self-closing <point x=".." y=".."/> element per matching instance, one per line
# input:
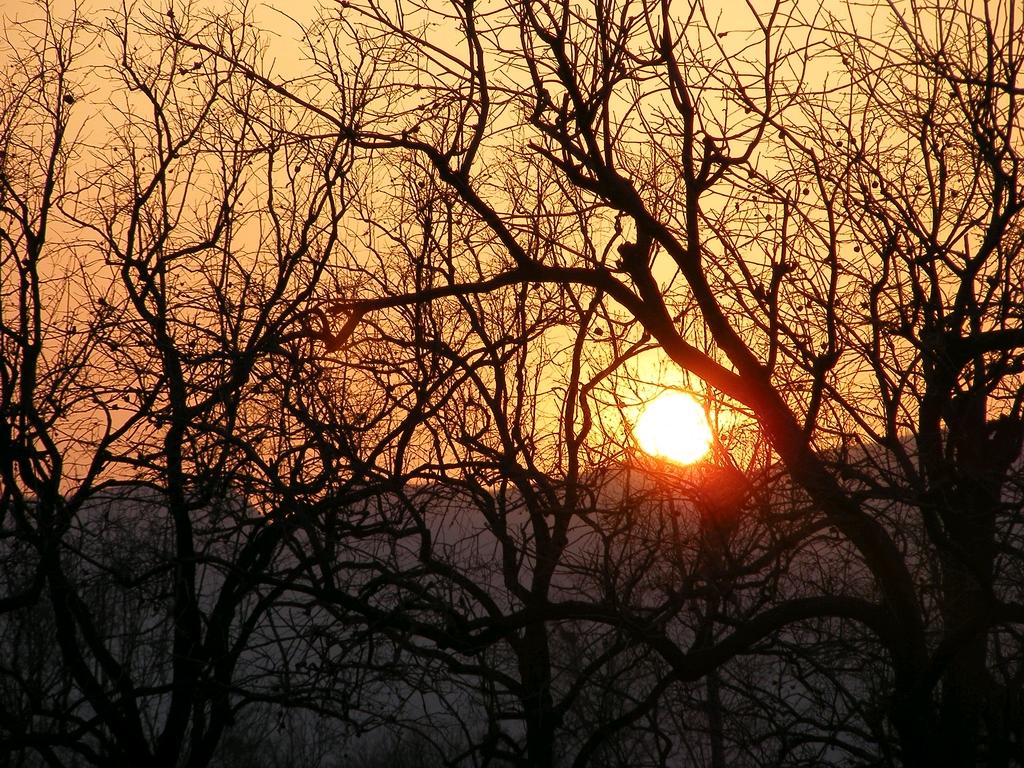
<point x="673" y="426"/>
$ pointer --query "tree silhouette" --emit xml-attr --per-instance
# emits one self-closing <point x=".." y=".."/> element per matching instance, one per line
<point x="149" y="332"/>
<point x="821" y="225"/>
<point x="317" y="381"/>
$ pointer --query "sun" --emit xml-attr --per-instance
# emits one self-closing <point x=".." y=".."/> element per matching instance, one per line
<point x="673" y="426"/>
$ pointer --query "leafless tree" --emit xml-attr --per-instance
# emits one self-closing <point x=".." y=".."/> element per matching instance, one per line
<point x="162" y="239"/>
<point x="315" y="386"/>
<point x="818" y="217"/>
<point x="523" y="581"/>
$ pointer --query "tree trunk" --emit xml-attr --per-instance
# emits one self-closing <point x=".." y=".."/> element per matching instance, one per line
<point x="966" y="579"/>
<point x="535" y="674"/>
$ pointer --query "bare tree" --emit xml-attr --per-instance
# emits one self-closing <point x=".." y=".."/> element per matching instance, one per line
<point x="315" y="387"/>
<point x="820" y="225"/>
<point x="162" y="240"/>
<point x="534" y="595"/>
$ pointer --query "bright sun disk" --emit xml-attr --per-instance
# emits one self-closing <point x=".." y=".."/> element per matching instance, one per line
<point x="673" y="426"/>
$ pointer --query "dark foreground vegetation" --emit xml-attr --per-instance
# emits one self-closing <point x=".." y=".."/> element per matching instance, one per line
<point x="321" y="338"/>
